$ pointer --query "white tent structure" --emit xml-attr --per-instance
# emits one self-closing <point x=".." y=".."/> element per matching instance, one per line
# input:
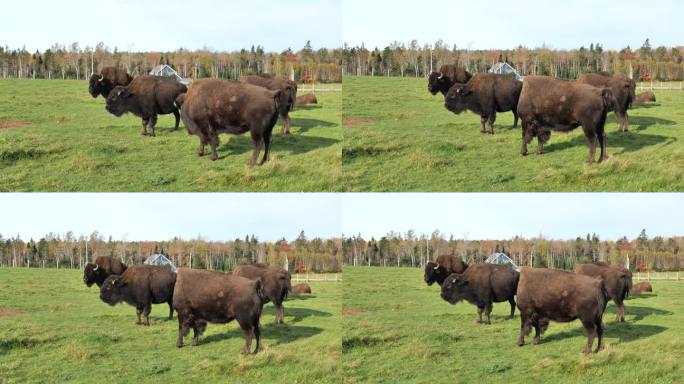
<point x="167" y="70"/>
<point x="503" y="259"/>
<point x="161" y="261"/>
<point x="505" y="69"/>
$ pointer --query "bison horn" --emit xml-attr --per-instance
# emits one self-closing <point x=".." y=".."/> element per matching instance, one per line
<point x="436" y="266"/>
<point x="96" y="267"/>
<point x="101" y="78"/>
<point x="440" y="75"/>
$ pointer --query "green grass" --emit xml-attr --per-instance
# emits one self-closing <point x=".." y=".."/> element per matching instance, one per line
<point x="397" y="329"/>
<point x="398" y="137"/>
<point x="64" y="333"/>
<point x="73" y="144"/>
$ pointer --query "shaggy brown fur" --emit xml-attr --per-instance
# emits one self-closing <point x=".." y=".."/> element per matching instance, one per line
<point x="276" y="281"/>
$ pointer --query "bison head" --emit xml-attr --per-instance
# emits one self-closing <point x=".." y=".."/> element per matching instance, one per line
<point x="117" y="100"/>
<point x="456" y="99"/>
<point x="434" y="273"/>
<point x="99" y="85"/>
<point x="93" y="274"/>
<point x="438" y="82"/>
<point x="110" y="291"/>
<point x="453" y="288"/>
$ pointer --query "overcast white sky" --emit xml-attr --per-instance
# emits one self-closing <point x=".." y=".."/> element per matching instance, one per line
<point x="222" y="25"/>
<point x="161" y="216"/>
<point x="504" y="215"/>
<point x="485" y="24"/>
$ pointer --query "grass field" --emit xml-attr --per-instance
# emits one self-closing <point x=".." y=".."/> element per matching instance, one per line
<point x="398" y="137"/>
<point x="61" y="139"/>
<point x="55" y="329"/>
<point x="397" y="329"/>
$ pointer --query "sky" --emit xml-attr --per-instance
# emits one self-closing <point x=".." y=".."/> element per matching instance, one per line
<point x="162" y="216"/>
<point x="490" y="24"/>
<point x="222" y="25"/>
<point x="505" y="215"/>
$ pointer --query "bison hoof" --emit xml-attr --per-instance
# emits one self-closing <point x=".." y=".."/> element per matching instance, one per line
<point x="535" y="341"/>
<point x="520" y="343"/>
<point x="214" y="157"/>
<point x="195" y="343"/>
<point x="179" y="344"/>
<point x="603" y="158"/>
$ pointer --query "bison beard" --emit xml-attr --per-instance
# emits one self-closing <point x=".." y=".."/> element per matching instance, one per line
<point x="444" y="265"/>
<point x="103" y="267"/>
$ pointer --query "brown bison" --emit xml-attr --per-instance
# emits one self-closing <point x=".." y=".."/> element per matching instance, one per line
<point x="642" y="287"/>
<point x="202" y="296"/>
<point x="549" y="104"/>
<point x="276" y="282"/>
<point x="485" y="94"/>
<point x="108" y="78"/>
<point x="617" y="280"/>
<point x="146" y="97"/>
<point x="447" y="76"/>
<point x="623" y="92"/>
<point x="300" y="289"/>
<point x="443" y="266"/>
<point x="288" y="94"/>
<point x="308" y="98"/>
<point x="103" y="267"/>
<point x="214" y="106"/>
<point x="482" y="285"/>
<point x="140" y="286"/>
<point x="645" y="97"/>
<point x="548" y="294"/>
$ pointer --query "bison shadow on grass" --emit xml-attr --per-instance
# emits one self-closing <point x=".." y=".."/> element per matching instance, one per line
<point x="293" y="144"/>
<point x="630" y="142"/>
<point x="305" y="125"/>
<point x="307" y="107"/>
<point x="625" y="332"/>
<point x="645" y="122"/>
<point x="640" y="313"/>
<point x="298" y="314"/>
<point x="281" y="334"/>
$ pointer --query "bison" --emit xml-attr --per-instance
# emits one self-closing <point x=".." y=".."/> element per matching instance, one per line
<point x="140" y="286"/>
<point x="623" y="92"/>
<point x="103" y="267"/>
<point x="548" y="294"/>
<point x="443" y="266"/>
<point x="549" y="104"/>
<point x="482" y="285"/>
<point x="447" y="76"/>
<point x="108" y="78"/>
<point x="300" y="289"/>
<point x="202" y="296"/>
<point x="485" y="94"/>
<point x="645" y="97"/>
<point x="617" y="280"/>
<point x="147" y="97"/>
<point x="213" y="106"/>
<point x="642" y="287"/>
<point x="288" y="94"/>
<point x="276" y="284"/>
<point x="308" y="98"/>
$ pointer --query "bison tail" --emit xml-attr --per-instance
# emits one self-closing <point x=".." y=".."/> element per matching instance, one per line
<point x="602" y="296"/>
<point x="608" y="99"/>
<point x="259" y="289"/>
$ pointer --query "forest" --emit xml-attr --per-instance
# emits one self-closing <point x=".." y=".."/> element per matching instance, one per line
<point x="418" y="60"/>
<point x="74" y="62"/>
<point x="70" y="251"/>
<point x="412" y="250"/>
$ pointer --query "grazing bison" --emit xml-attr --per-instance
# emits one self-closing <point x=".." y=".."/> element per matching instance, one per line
<point x="301" y="289"/>
<point x="548" y="294"/>
<point x="617" y="280"/>
<point x="103" y="267"/>
<point x="213" y="106"/>
<point x="308" y="98"/>
<point x="140" y="286"/>
<point x="623" y="91"/>
<point x="482" y="285"/>
<point x="447" y="76"/>
<point x="645" y="97"/>
<point x="443" y="266"/>
<point x="549" y="104"/>
<point x="276" y="283"/>
<point x="108" y="78"/>
<point x="642" y="287"/>
<point x="288" y="94"/>
<point x="485" y="94"/>
<point x="147" y="97"/>
<point x="203" y="296"/>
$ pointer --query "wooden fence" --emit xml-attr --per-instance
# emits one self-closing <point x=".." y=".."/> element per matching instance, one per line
<point x="330" y="277"/>
<point x="658" y="276"/>
<point x="661" y="86"/>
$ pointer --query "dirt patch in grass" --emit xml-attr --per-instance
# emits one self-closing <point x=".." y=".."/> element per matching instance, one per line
<point x="350" y="122"/>
<point x="13" y="124"/>
<point x="353" y="311"/>
<point x="9" y="312"/>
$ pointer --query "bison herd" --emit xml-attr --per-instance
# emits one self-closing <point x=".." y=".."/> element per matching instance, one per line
<point x="542" y="103"/>
<point x="198" y="296"/>
<point x="207" y="108"/>
<point x="542" y="294"/>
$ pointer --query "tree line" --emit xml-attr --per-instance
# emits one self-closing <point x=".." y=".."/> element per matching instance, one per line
<point x="413" y="59"/>
<point x="73" y="62"/>
<point x="409" y="249"/>
<point x="70" y="251"/>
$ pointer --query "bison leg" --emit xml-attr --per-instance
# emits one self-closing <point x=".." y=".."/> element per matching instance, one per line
<point x="170" y="310"/>
<point x="492" y="118"/>
<point x="257" y="142"/>
<point x="591" y="138"/>
<point x="483" y="121"/>
<point x="176" y="114"/>
<point x="257" y="334"/>
<point x="153" y="123"/>
<point x="599" y="332"/>
<point x="621" y="313"/>
<point x="479" y="315"/>
<point x="602" y="142"/>
<point x="203" y="142"/>
<point x="138" y="312"/>
<point x="590" y="327"/>
<point x="512" y="302"/>
<point x="526" y="137"/>
<point x="515" y="117"/>
<point x="145" y="121"/>
<point x="524" y="329"/>
<point x="537" y="332"/>
<point x="280" y="313"/>
<point x="488" y="312"/>
<point x="286" y="124"/>
<point x="213" y="143"/>
<point x="198" y="329"/>
<point x="146" y="313"/>
<point x="248" y="330"/>
<point x="267" y="147"/>
<point x="182" y="330"/>
<point x="540" y="145"/>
